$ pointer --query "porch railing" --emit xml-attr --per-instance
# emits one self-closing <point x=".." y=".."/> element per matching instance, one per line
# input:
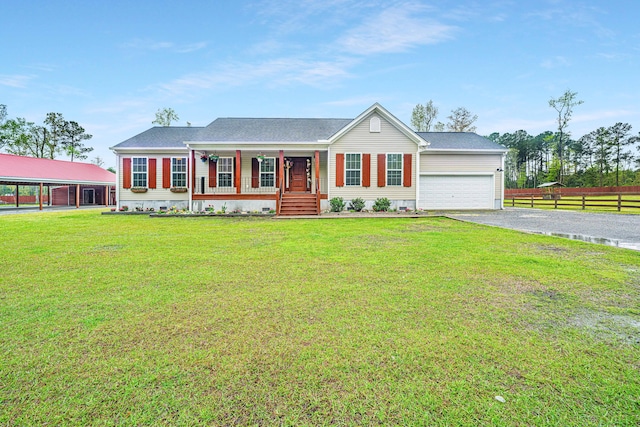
<point x="246" y="187"/>
<point x="202" y="187"/>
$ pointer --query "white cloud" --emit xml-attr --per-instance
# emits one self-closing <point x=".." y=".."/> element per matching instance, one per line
<point x="576" y="15"/>
<point x="153" y="45"/>
<point x="275" y="72"/>
<point x="15" y="80"/>
<point x="292" y="16"/>
<point x="366" y="100"/>
<point x="555" y="62"/>
<point x="395" y="29"/>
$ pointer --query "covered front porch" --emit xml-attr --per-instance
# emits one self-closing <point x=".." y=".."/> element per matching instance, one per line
<point x="257" y="179"/>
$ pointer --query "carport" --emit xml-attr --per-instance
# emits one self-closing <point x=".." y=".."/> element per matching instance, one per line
<point x="74" y="178"/>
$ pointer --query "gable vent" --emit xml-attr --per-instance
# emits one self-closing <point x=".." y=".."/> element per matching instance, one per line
<point x="374" y="124"/>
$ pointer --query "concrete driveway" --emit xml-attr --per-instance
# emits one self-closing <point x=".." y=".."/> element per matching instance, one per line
<point x="611" y="229"/>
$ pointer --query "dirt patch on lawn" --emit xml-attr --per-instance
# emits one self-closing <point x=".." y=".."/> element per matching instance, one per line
<point x="608" y="327"/>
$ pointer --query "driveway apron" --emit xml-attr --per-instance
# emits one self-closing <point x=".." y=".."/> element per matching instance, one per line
<point x="612" y="229"/>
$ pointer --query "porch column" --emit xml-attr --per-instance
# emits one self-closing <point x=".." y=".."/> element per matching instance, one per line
<point x="106" y="195"/>
<point x="17" y="196"/>
<point x="41" y="191"/>
<point x="193" y="171"/>
<point x="238" y="173"/>
<point x="281" y="172"/>
<point x="77" y="196"/>
<point x="317" y="168"/>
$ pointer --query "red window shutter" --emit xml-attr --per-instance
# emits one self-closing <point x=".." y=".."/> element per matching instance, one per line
<point x="255" y="173"/>
<point x="382" y="170"/>
<point x="126" y="173"/>
<point x="213" y="173"/>
<point x="152" y="173"/>
<point x="339" y="169"/>
<point x="406" y="179"/>
<point x="366" y="170"/>
<point x="166" y="173"/>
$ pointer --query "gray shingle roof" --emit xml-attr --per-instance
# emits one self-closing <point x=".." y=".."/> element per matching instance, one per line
<point x="284" y="130"/>
<point x="162" y="137"/>
<point x="271" y="130"/>
<point x="458" y="141"/>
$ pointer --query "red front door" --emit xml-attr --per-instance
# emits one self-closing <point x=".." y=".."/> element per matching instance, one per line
<point x="298" y="174"/>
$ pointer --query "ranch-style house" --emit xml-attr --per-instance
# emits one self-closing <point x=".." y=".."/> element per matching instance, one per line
<point x="296" y="165"/>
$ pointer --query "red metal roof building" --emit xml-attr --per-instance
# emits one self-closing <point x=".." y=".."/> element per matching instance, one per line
<point x="72" y="177"/>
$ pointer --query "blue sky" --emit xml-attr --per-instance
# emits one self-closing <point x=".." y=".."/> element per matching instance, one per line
<point x="110" y="65"/>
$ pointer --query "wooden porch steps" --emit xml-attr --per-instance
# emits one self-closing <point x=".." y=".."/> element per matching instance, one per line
<point x="298" y="204"/>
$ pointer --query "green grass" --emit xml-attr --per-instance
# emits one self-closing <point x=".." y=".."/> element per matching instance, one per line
<point x="128" y="320"/>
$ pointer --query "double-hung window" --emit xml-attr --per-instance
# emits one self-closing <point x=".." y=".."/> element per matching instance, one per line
<point x="225" y="172"/>
<point x="268" y="172"/>
<point x="179" y="172"/>
<point x="352" y="174"/>
<point x="394" y="169"/>
<point x="139" y="171"/>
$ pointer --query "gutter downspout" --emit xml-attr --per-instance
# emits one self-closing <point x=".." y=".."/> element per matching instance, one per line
<point x="117" y="182"/>
<point x="329" y="172"/>
<point x="417" y="178"/>
<point x="502" y="179"/>
<point x="192" y="168"/>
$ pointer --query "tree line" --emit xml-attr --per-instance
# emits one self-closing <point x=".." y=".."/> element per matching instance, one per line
<point x="602" y="157"/>
<point x="55" y="136"/>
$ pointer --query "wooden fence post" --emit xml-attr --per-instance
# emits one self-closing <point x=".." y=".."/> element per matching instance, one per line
<point x="532" y="200"/>
<point x="555" y="202"/>
<point x="583" y="202"/>
<point x="619" y="201"/>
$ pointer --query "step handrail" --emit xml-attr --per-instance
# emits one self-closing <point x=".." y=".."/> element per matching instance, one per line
<point x="318" y="196"/>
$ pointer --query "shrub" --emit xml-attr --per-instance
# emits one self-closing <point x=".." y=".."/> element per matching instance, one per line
<point x="337" y="204"/>
<point x="357" y="204"/>
<point x="382" y="204"/>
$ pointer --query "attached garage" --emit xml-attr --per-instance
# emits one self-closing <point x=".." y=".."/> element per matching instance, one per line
<point x="456" y="191"/>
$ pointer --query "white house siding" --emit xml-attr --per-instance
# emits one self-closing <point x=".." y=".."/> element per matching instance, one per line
<point x="388" y="140"/>
<point x="465" y="164"/>
<point x="154" y="197"/>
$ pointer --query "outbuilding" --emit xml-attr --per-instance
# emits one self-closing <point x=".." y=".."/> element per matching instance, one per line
<point x="67" y="183"/>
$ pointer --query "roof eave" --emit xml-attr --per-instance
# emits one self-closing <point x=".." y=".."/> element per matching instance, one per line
<point x="117" y="149"/>
<point x="255" y="144"/>
<point x="54" y="181"/>
<point x="464" y="150"/>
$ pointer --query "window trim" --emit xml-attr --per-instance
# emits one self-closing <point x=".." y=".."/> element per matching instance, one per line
<point x="260" y="172"/>
<point x="388" y="169"/>
<point x="230" y="173"/>
<point x="174" y="173"/>
<point x="346" y="169"/>
<point x="145" y="173"/>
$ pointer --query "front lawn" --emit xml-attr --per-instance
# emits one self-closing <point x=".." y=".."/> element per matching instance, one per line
<point x="130" y="320"/>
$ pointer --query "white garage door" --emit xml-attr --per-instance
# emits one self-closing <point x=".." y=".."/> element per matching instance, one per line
<point x="456" y="192"/>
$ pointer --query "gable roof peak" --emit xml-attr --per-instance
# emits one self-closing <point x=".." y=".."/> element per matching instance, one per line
<point x="380" y="110"/>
